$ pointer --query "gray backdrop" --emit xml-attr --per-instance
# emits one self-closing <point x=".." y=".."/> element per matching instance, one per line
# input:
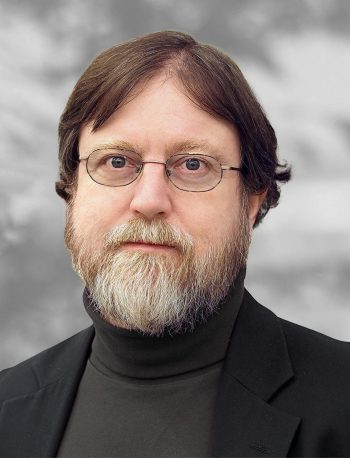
<point x="295" y="54"/>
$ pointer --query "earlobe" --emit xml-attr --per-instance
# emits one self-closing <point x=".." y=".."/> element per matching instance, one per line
<point x="254" y="203"/>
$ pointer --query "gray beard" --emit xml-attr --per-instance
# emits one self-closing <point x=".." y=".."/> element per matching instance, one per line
<point x="156" y="293"/>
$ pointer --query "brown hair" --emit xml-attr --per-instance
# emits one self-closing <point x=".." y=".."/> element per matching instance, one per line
<point x="211" y="79"/>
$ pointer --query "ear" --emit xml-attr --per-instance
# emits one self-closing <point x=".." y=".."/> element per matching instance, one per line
<point x="254" y="203"/>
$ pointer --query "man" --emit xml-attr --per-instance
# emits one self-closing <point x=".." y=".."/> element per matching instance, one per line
<point x="167" y="163"/>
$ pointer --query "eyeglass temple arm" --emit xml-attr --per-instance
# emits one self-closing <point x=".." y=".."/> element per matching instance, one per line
<point x="226" y="167"/>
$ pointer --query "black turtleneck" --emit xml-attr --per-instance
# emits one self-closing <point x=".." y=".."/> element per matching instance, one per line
<point x="143" y="396"/>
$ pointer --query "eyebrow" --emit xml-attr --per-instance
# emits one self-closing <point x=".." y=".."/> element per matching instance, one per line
<point x="117" y="144"/>
<point x="187" y="146"/>
<point x="184" y="146"/>
<point x="202" y="147"/>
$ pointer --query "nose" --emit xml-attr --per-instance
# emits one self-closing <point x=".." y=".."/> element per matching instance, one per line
<point x="151" y="197"/>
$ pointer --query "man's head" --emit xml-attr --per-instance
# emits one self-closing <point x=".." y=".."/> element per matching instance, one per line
<point x="169" y="102"/>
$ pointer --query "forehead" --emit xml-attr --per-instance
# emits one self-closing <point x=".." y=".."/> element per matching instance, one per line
<point x="162" y="119"/>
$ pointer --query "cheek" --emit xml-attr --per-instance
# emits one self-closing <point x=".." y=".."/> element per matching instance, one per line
<point x="213" y="218"/>
<point x="99" y="207"/>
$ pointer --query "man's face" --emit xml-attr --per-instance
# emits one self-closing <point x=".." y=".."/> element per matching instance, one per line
<point x="209" y="232"/>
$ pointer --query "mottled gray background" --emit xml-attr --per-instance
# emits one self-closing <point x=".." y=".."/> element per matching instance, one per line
<point x="296" y="55"/>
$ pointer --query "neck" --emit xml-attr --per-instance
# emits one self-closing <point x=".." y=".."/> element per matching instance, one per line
<point x="118" y="351"/>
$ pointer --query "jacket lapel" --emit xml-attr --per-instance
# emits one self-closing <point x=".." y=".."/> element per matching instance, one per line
<point x="256" y="367"/>
<point x="33" y="423"/>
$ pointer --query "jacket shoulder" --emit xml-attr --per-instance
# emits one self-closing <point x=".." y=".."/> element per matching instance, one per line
<point x="317" y="354"/>
<point x="319" y="365"/>
<point x="306" y="347"/>
<point x="46" y="366"/>
<point x="319" y="392"/>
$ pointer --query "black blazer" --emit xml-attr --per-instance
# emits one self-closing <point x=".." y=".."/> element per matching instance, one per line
<point x="285" y="391"/>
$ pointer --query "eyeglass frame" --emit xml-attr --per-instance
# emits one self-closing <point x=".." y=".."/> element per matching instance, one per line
<point x="142" y="163"/>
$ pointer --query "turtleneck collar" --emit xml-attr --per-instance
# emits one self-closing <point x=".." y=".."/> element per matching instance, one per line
<point x="121" y="352"/>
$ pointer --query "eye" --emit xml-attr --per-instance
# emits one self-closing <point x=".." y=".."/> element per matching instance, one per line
<point x="193" y="163"/>
<point x="117" y="162"/>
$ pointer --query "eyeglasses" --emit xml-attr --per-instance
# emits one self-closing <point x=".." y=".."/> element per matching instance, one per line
<point x="188" y="172"/>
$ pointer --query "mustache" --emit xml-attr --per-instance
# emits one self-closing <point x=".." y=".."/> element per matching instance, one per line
<point x="156" y="232"/>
